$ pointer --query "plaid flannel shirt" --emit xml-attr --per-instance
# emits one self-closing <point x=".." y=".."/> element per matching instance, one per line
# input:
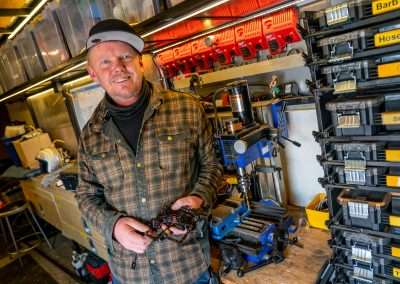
<point x="175" y="157"/>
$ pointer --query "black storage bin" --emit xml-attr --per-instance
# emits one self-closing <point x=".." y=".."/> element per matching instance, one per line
<point x="364" y="275"/>
<point x="364" y="209"/>
<point x="374" y="151"/>
<point x="344" y="77"/>
<point x="343" y="13"/>
<point x="377" y="245"/>
<point x="362" y="258"/>
<point x="359" y="176"/>
<point x="356" y="116"/>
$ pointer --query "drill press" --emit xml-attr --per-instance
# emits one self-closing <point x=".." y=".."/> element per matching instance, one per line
<point x="248" y="231"/>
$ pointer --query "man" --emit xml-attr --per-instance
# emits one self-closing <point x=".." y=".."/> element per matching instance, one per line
<point x="142" y="149"/>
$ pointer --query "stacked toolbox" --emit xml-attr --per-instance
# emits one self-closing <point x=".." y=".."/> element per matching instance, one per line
<point x="354" y="49"/>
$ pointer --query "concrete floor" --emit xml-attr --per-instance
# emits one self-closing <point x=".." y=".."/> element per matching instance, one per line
<point x="61" y="254"/>
<point x="63" y="247"/>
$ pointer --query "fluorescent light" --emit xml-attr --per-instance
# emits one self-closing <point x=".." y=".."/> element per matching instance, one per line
<point x="194" y="13"/>
<point x="77" y="81"/>
<point x="51" y="90"/>
<point x="231" y="24"/>
<point x="27" y="19"/>
<point x="45" y="80"/>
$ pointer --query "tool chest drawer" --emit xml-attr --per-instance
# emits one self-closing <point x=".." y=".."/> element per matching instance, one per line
<point x="359" y="175"/>
<point x="364" y="275"/>
<point x="349" y="12"/>
<point x="374" y="151"/>
<point x="355" y="44"/>
<point x="363" y="258"/>
<point x="375" y="245"/>
<point x="356" y="116"/>
<point x="364" y="209"/>
<point x="362" y="74"/>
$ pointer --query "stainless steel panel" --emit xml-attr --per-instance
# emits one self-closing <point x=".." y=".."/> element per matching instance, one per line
<point x="52" y="116"/>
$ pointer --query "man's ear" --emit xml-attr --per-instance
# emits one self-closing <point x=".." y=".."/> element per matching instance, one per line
<point x="91" y="72"/>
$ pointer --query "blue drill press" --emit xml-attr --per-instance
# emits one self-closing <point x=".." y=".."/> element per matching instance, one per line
<point x="251" y="233"/>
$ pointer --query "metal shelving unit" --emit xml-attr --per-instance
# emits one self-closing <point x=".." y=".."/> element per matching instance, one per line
<point x="324" y="93"/>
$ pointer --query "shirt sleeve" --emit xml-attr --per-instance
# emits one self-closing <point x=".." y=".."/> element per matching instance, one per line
<point x="210" y="170"/>
<point x="91" y="200"/>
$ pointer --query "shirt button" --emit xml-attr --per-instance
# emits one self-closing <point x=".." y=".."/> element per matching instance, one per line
<point x="152" y="261"/>
<point x="143" y="200"/>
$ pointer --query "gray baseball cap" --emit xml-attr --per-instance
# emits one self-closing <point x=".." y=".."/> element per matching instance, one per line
<point x="114" y="30"/>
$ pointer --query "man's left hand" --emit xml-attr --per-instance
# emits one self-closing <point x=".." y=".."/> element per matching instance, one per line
<point x="191" y="201"/>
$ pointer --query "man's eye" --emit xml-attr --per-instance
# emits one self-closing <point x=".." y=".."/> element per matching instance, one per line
<point x="126" y="57"/>
<point x="104" y="62"/>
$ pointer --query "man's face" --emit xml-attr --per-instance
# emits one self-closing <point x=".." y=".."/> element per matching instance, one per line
<point x="118" y="68"/>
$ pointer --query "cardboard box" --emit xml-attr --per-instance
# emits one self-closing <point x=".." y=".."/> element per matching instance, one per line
<point x="27" y="150"/>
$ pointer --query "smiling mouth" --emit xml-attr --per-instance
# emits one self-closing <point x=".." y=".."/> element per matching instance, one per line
<point x="121" y="80"/>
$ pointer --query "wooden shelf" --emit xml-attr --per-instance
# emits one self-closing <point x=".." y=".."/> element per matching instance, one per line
<point x="263" y="67"/>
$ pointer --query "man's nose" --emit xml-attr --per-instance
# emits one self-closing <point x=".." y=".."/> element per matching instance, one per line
<point x="119" y="65"/>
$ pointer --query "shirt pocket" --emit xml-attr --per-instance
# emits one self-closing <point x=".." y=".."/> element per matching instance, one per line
<point x="107" y="167"/>
<point x="174" y="148"/>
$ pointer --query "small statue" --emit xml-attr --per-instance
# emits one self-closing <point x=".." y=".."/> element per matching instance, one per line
<point x="274" y="86"/>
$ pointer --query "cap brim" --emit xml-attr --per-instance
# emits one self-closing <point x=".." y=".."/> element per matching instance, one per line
<point x="129" y="38"/>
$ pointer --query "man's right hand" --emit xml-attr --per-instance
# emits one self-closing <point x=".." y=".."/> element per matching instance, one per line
<point x="130" y="233"/>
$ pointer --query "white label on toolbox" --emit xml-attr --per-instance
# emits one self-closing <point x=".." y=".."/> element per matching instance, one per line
<point x="349" y="121"/>
<point x="358" y="210"/>
<point x="345" y="86"/>
<point x="361" y="254"/>
<point x="363" y="274"/>
<point x="337" y="14"/>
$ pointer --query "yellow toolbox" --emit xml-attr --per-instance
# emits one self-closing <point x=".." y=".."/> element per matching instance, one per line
<point x="316" y="218"/>
<point x="392" y="155"/>
<point x="393" y="181"/>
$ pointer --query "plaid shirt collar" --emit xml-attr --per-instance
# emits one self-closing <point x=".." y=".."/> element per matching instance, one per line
<point x="103" y="114"/>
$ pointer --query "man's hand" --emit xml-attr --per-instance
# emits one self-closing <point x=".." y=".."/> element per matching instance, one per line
<point x="191" y="201"/>
<point x="130" y="233"/>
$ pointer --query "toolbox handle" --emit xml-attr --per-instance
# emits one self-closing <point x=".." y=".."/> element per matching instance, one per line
<point x="333" y="51"/>
<point x="344" y="200"/>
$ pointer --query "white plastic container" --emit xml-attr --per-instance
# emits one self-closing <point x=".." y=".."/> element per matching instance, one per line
<point x="77" y="17"/>
<point x="49" y="38"/>
<point x="29" y="53"/>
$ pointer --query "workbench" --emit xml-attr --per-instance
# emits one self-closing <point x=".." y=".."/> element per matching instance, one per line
<point x="59" y="208"/>
<point x="301" y="265"/>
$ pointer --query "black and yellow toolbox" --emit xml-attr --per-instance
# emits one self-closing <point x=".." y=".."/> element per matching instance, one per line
<point x="356" y="116"/>
<point x="377" y="40"/>
<point x="362" y="75"/>
<point x="349" y="13"/>
<point x="356" y="173"/>
<point x="364" y="209"/>
<point x="365" y="151"/>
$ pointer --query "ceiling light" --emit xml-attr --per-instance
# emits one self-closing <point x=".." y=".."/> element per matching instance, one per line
<point x="27" y="19"/>
<point x="192" y="14"/>
<point x="78" y="81"/>
<point x="45" y="80"/>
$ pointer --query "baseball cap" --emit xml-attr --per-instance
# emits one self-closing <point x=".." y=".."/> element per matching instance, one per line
<point x="114" y="30"/>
